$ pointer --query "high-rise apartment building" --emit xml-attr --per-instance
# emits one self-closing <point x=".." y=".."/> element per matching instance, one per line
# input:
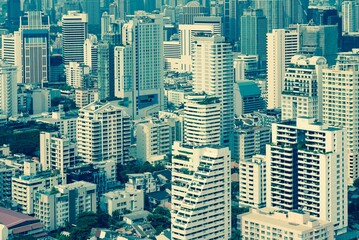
<point x="302" y="91"/>
<point x="56" y="152"/>
<point x="105" y="71"/>
<point x="201" y="193"/>
<point x="253" y="181"/>
<point x="74" y="34"/>
<point x="139" y="65"/>
<point x="103" y="133"/>
<point x="307" y="170"/>
<point x="341" y="103"/>
<point x="213" y="74"/>
<point x="282" y="45"/>
<point x="8" y="89"/>
<point x="11" y="51"/>
<point x="35" y="51"/>
<point x="253" y="32"/>
<point x="202" y="120"/>
<point x="106" y="21"/>
<point x="91" y="54"/>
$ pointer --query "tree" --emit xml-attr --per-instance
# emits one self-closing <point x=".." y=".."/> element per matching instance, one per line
<point x="160" y="219"/>
<point x="85" y="222"/>
<point x="356" y="183"/>
<point x="103" y="219"/>
<point x="236" y="211"/>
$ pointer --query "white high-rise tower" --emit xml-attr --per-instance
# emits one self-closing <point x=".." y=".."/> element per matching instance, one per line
<point x="212" y="68"/>
<point x="282" y="45"/>
<point x="139" y="65"/>
<point x="8" y="90"/>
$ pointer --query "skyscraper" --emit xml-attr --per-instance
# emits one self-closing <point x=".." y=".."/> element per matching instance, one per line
<point x="341" y="103"/>
<point x="273" y="10"/>
<point x="74" y="31"/>
<point x="91" y="54"/>
<point x="8" y="90"/>
<point x="253" y="31"/>
<point x="201" y="203"/>
<point x="282" y="45"/>
<point x="35" y="40"/>
<point x="139" y="65"/>
<point x="302" y="90"/>
<point x="105" y="70"/>
<point x="13" y="13"/>
<point x="307" y="170"/>
<point x="350" y="16"/>
<point x="212" y="68"/>
<point x="92" y="8"/>
<point x="11" y="52"/>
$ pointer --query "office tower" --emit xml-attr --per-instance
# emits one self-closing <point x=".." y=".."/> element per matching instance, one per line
<point x="77" y="75"/>
<point x="92" y="9"/>
<point x="11" y="52"/>
<point x="302" y="91"/>
<point x="213" y="74"/>
<point x="186" y="38"/>
<point x="35" y="40"/>
<point x="190" y="10"/>
<point x="324" y="15"/>
<point x="307" y="170"/>
<point x="202" y="120"/>
<point x="253" y="181"/>
<point x="172" y="55"/>
<point x="319" y="41"/>
<point x="8" y="90"/>
<point x="74" y="34"/>
<point x="253" y="33"/>
<point x="106" y="21"/>
<point x="282" y="45"/>
<point x="56" y="151"/>
<point x="249" y="141"/>
<point x="273" y="10"/>
<point x="91" y="53"/>
<point x="139" y="65"/>
<point x="247" y="98"/>
<point x="105" y="71"/>
<point x="103" y="133"/>
<point x="295" y="11"/>
<point x="350" y="16"/>
<point x="232" y="12"/>
<point x="62" y="204"/>
<point x="56" y="76"/>
<point x="153" y="141"/>
<point x="340" y="103"/>
<point x="113" y="10"/>
<point x="201" y="190"/>
<point x="25" y="187"/>
<point x="260" y="223"/>
<point x="210" y="20"/>
<point x="13" y="13"/>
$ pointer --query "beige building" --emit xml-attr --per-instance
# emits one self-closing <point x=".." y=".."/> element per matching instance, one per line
<point x="274" y="224"/>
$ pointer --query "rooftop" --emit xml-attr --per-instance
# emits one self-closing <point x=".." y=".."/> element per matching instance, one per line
<point x="12" y="219"/>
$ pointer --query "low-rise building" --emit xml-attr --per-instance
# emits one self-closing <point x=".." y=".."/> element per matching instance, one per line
<point x="122" y="200"/>
<point x="277" y="224"/>
<point x="141" y="181"/>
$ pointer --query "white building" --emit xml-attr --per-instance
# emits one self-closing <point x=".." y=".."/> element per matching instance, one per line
<point x="186" y="38"/>
<point x="74" y="34"/>
<point x="122" y="200"/>
<point x="243" y="65"/>
<point x="84" y="97"/>
<point x="307" y="170"/>
<point x="62" y="204"/>
<point x="11" y="52"/>
<point x="41" y="100"/>
<point x="252" y="181"/>
<point x="25" y="187"/>
<point x="106" y="23"/>
<point x="77" y="74"/>
<point x="302" y="90"/>
<point x="202" y="118"/>
<point x="282" y="45"/>
<point x="213" y="74"/>
<point x="341" y="103"/>
<point x="91" y="53"/>
<point x="176" y="96"/>
<point x="153" y="140"/>
<point x="172" y="55"/>
<point x="276" y="224"/>
<point x="141" y="181"/>
<point x="8" y="90"/>
<point x="103" y="133"/>
<point x="56" y="151"/>
<point x="139" y="65"/>
<point x="201" y="193"/>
